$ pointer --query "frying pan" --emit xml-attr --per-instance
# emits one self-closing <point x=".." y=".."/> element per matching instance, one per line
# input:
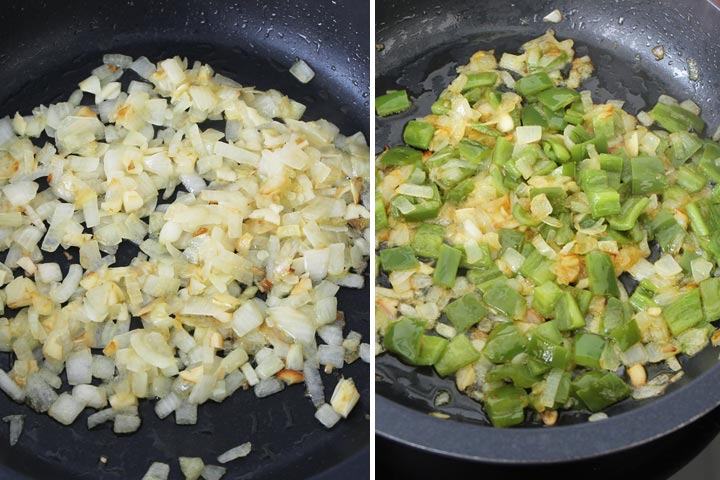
<point x="46" y="48"/>
<point x="420" y="42"/>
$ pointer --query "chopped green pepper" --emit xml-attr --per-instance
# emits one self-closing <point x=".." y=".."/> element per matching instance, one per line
<point x="465" y="312"/>
<point x="533" y="84"/>
<point x="599" y="390"/>
<point x="506" y="300"/>
<point x="505" y="406"/>
<point x="567" y="313"/>
<point x="431" y="350"/>
<point x="418" y="134"/>
<point x="398" y="258"/>
<point x="684" y="313"/>
<point x="557" y="97"/>
<point x="626" y="335"/>
<point x="393" y="102"/>
<point x="458" y="353"/>
<point x="447" y="266"/>
<point x="674" y="118"/>
<point x="427" y="240"/>
<point x="601" y="274"/>
<point x="504" y="343"/>
<point x="403" y="339"/>
<point x="589" y="348"/>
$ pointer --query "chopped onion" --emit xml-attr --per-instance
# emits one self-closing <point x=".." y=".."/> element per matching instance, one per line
<point x="302" y="71"/>
<point x="16" y="427"/>
<point x="191" y="467"/>
<point x="213" y="472"/>
<point x="235" y="453"/>
<point x="10" y="387"/>
<point x="327" y="415"/>
<point x="66" y="409"/>
<point x="345" y="397"/>
<point x="157" y="471"/>
<point x="529" y="134"/>
<point x="553" y="17"/>
<point x="267" y="387"/>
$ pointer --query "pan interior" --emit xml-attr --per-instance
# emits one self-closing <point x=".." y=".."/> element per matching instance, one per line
<point x="46" y="68"/>
<point x="419" y="47"/>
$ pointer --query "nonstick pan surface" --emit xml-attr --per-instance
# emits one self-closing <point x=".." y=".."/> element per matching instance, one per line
<point x="419" y="45"/>
<point x="46" y="48"/>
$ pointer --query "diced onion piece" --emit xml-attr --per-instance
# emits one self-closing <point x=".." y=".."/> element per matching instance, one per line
<point x="701" y="269"/>
<point x="16" y="427"/>
<point x="10" y="388"/>
<point x="235" y="453"/>
<point x="345" y="397"/>
<point x="327" y="415"/>
<point x="213" y="472"/>
<point x="191" y="467"/>
<point x="528" y="134"/>
<point x="302" y="71"/>
<point x="66" y="409"/>
<point x="667" y="267"/>
<point x="553" y="17"/>
<point x="157" y="471"/>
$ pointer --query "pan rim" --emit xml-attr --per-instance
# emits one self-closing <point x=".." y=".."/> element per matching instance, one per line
<point x="549" y="445"/>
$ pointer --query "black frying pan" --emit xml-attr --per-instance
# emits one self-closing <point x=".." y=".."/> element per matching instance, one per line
<point x="46" y="48"/>
<point x="419" y="45"/>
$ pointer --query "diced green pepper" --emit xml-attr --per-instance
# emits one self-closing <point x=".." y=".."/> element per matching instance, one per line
<point x="537" y="268"/>
<point x="589" y="348"/>
<point x="403" y="339"/>
<point x="418" y="134"/>
<point x="601" y="274"/>
<point x="667" y="231"/>
<point x="480" y="79"/>
<point x="506" y="300"/>
<point x="465" y="312"/>
<point x="626" y="335"/>
<point x="431" y="350"/>
<point x="554" y="355"/>
<point x="632" y="209"/>
<point x="683" y="145"/>
<point x="459" y="192"/>
<point x="567" y="313"/>
<point x="599" y="390"/>
<point x="684" y="313"/>
<point x="458" y="353"/>
<point x="447" y="266"/>
<point x="546" y="297"/>
<point x="614" y="314"/>
<point x="441" y="106"/>
<point x="710" y="292"/>
<point x="648" y="175"/>
<point x="427" y="240"/>
<point x="604" y="203"/>
<point x="505" y="406"/>
<point x="415" y="209"/>
<point x="398" y="156"/>
<point x="393" y="102"/>
<point x="557" y="97"/>
<point x="518" y="373"/>
<point x="381" y="219"/>
<point x="674" y="118"/>
<point x="504" y="343"/>
<point x="533" y="84"/>
<point x="398" y="258"/>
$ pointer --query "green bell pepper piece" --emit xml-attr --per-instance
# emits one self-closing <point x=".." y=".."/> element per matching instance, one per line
<point x="504" y="343"/>
<point x="447" y="266"/>
<point x="465" y="312"/>
<point x="398" y="258"/>
<point x="458" y="353"/>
